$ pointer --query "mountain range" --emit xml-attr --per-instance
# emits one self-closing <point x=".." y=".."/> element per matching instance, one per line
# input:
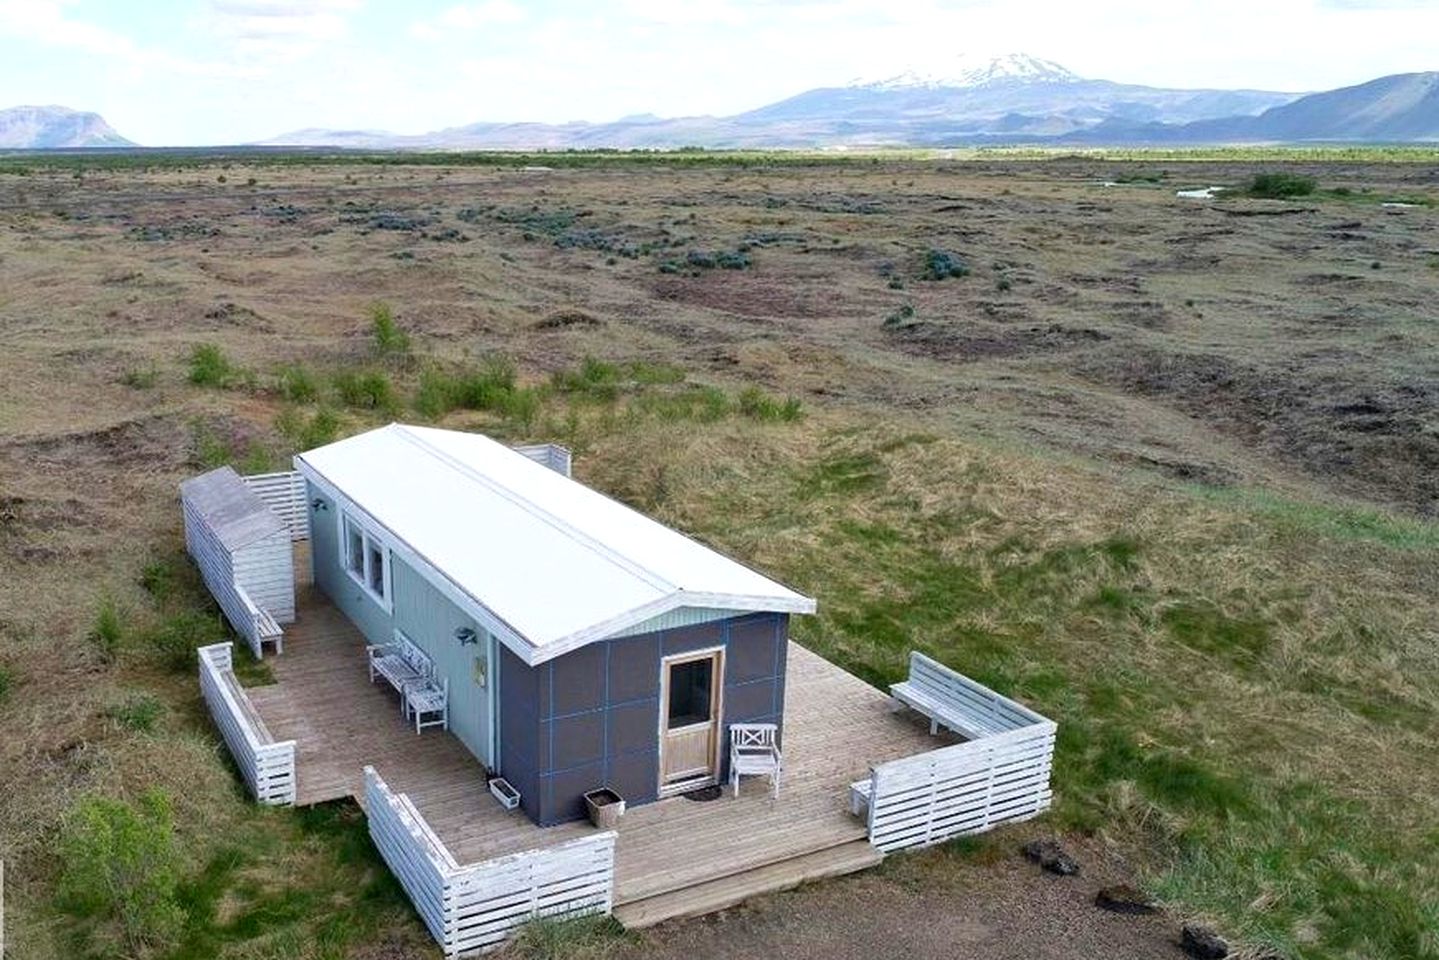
<point x="37" y="128"/>
<point x="1017" y="99"/>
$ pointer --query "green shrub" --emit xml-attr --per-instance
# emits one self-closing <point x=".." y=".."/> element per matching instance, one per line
<point x="108" y="632"/>
<point x="121" y="861"/>
<point x="489" y="387"/>
<point x="390" y="340"/>
<point x="900" y="317"/>
<point x="365" y="390"/>
<point x="595" y="379"/>
<point x="298" y="385"/>
<point x="1281" y="186"/>
<point x="172" y="642"/>
<point x="521" y="406"/>
<point x="139" y="712"/>
<point x="437" y="394"/>
<point x="757" y="405"/>
<point x="320" y="428"/>
<point x="157" y="578"/>
<point x="140" y="378"/>
<point x="209" y="367"/>
<point x="7" y="682"/>
<point x="941" y="265"/>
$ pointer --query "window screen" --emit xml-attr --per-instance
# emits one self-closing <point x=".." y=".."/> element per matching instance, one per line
<point x="690" y="684"/>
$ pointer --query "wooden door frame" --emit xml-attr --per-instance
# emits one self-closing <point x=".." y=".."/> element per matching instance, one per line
<point x="717" y="654"/>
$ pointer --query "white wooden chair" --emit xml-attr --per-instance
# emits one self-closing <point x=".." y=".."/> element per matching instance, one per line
<point x="754" y="752"/>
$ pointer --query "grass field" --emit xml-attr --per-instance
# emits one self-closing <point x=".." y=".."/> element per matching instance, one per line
<point x="1163" y="469"/>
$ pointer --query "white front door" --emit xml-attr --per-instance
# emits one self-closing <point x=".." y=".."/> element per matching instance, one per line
<point x="690" y="707"/>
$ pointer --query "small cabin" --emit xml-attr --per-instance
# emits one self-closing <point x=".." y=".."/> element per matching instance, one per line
<point x="581" y="645"/>
<point x="243" y="550"/>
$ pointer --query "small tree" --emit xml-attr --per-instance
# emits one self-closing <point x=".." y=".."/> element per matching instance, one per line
<point x="121" y="860"/>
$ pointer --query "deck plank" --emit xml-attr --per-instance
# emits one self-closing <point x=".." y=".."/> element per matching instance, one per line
<point x="836" y="727"/>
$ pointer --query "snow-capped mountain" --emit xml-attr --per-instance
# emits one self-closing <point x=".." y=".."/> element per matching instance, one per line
<point x="970" y="71"/>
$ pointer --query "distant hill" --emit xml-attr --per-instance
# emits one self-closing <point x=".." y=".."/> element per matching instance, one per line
<point x="1011" y="99"/>
<point x="35" y="128"/>
<point x="1016" y="95"/>
<point x="1403" y="108"/>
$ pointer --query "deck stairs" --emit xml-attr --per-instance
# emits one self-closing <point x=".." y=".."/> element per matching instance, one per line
<point x="728" y="890"/>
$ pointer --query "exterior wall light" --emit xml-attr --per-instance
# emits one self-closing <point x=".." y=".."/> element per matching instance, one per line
<point x="466" y="636"/>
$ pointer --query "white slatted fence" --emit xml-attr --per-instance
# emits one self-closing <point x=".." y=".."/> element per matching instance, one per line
<point x="967" y="788"/>
<point x="284" y="493"/>
<point x="267" y="766"/>
<point x="473" y="908"/>
<point x="1000" y="775"/>
<point x="551" y="455"/>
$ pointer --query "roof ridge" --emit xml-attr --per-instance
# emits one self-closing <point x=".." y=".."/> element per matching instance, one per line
<point x="534" y="509"/>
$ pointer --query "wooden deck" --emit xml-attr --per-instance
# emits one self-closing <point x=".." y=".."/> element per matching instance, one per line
<point x="836" y="726"/>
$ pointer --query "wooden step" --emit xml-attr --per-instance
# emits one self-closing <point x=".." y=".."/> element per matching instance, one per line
<point x="712" y="895"/>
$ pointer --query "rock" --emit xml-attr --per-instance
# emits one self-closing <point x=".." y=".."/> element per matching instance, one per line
<point x="1049" y="854"/>
<point x="1202" y="942"/>
<point x="1122" y="898"/>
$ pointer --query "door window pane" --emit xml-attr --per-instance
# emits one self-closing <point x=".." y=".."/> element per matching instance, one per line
<point x="690" y="684"/>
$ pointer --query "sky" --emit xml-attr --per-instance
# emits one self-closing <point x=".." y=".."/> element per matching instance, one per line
<point x="171" y="72"/>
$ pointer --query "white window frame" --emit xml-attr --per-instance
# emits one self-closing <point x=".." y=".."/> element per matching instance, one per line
<point x="370" y="543"/>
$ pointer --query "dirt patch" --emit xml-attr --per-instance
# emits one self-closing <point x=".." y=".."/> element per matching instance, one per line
<point x="929" y="905"/>
<point x="970" y="341"/>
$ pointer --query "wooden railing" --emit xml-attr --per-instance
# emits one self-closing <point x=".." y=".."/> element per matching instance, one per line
<point x="267" y="766"/>
<point x="473" y="908"/>
<point x="1001" y="774"/>
<point x="284" y="493"/>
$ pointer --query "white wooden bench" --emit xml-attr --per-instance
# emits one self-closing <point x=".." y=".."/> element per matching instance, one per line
<point x="401" y="664"/>
<point x="951" y="700"/>
<point x="426" y="698"/>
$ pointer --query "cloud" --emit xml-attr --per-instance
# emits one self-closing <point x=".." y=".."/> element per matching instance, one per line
<point x="278" y="30"/>
<point x="467" y="18"/>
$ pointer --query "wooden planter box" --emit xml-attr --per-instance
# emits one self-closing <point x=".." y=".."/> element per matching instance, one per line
<point x="508" y="796"/>
<point x="605" y="807"/>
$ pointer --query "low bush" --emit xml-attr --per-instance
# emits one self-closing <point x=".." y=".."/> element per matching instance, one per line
<point x="108" y="632"/>
<point x="140" y="712"/>
<point x="171" y="643"/>
<point x="901" y="316"/>
<point x="306" y="433"/>
<point x="7" y="682"/>
<point x="140" y="378"/>
<point x="941" y="265"/>
<point x="298" y="385"/>
<point x="595" y="379"/>
<point x="1281" y="186"/>
<point x="209" y="367"/>
<point x="121" y="861"/>
<point x="365" y="390"/>
<point x="390" y="340"/>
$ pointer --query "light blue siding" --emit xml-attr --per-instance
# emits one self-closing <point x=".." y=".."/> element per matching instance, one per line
<point x="428" y="618"/>
<point x="673" y="620"/>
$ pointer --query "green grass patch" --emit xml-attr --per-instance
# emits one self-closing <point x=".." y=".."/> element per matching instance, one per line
<point x="581" y="938"/>
<point x="140" y="712"/>
<point x="210" y="367"/>
<point x="297" y="384"/>
<point x="1279" y="185"/>
<point x="1330" y="520"/>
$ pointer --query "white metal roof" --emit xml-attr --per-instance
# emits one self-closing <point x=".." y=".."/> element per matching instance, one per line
<point x="556" y="563"/>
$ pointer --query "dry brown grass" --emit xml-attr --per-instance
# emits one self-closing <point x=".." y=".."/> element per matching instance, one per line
<point x="969" y="485"/>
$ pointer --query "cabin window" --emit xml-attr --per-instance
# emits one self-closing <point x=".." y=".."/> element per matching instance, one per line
<point x="366" y="560"/>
